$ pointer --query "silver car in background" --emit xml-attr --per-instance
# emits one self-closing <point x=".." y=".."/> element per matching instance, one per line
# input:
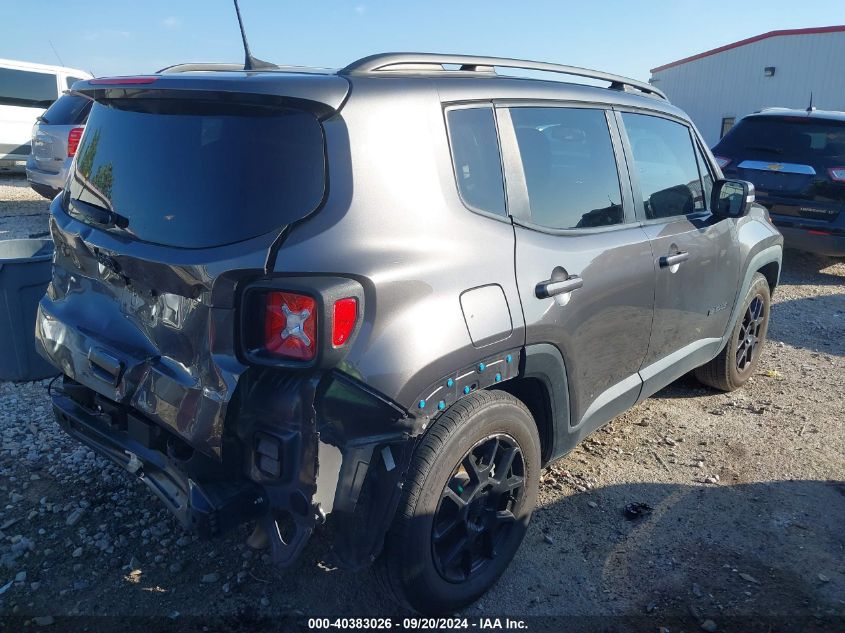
<point x="55" y="138"/>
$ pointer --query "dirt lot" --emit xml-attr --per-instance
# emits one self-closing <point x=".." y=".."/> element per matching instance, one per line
<point x="746" y="532"/>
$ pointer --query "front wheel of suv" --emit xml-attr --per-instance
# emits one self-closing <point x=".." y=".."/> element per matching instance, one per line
<point x="736" y="362"/>
<point x="466" y="504"/>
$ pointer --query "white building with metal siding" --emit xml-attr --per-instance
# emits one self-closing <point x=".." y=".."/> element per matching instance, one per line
<point x="776" y="69"/>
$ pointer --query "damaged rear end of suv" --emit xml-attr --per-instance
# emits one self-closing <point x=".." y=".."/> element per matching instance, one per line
<point x="382" y="298"/>
<point x="186" y="357"/>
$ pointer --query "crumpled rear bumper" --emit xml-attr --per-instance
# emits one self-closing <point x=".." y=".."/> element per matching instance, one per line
<point x="301" y="450"/>
<point x="210" y="507"/>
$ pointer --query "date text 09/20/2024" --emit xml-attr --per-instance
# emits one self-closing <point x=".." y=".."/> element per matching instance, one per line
<point x="436" y="624"/>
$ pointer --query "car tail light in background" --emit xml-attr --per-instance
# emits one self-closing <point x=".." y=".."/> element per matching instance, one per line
<point x="722" y="162"/>
<point x="345" y="317"/>
<point x="837" y="173"/>
<point x="73" y="141"/>
<point x="290" y="325"/>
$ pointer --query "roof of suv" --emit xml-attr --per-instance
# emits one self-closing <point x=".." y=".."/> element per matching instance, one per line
<point x="828" y="115"/>
<point x="455" y="77"/>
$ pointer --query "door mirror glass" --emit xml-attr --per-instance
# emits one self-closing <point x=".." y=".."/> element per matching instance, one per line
<point x="732" y="198"/>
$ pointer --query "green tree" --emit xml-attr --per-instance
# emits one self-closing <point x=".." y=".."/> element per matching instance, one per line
<point x="103" y="179"/>
<point x="85" y="162"/>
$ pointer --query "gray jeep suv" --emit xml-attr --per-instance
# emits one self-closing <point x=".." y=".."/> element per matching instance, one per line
<point x="418" y="282"/>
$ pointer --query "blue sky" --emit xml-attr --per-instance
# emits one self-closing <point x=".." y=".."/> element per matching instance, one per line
<point x="135" y="36"/>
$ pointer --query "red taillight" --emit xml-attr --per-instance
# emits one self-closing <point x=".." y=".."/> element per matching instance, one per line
<point x="290" y="325"/>
<point x="345" y="316"/>
<point x="121" y="81"/>
<point x="722" y="162"/>
<point x="73" y="141"/>
<point x="837" y="174"/>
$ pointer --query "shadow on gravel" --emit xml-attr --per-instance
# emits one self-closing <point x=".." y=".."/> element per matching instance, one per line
<point x="800" y="267"/>
<point x="764" y="557"/>
<point x="814" y="323"/>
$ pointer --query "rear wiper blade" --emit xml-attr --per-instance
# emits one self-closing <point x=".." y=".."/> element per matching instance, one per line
<point x="764" y="148"/>
<point x="97" y="214"/>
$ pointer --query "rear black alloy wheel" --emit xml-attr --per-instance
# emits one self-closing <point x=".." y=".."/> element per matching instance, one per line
<point x="466" y="502"/>
<point x="475" y="514"/>
<point x="748" y="343"/>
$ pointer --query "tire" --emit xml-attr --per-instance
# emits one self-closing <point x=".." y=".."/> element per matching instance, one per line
<point x="736" y="362"/>
<point x="414" y="568"/>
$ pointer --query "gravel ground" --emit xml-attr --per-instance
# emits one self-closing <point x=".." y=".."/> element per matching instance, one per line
<point x="745" y="529"/>
<point x="23" y="213"/>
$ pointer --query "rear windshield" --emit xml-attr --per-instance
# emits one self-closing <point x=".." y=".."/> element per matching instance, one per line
<point x="67" y="110"/>
<point x="788" y="139"/>
<point x="193" y="175"/>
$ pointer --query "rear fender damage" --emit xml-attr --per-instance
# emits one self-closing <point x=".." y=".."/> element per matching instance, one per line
<point x="322" y="446"/>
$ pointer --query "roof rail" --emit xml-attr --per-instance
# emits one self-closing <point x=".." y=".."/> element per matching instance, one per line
<point x="398" y="62"/>
<point x="189" y="67"/>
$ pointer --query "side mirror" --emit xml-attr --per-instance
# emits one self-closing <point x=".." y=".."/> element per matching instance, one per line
<point x="732" y="198"/>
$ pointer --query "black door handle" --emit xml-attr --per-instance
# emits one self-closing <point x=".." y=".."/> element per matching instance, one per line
<point x="672" y="260"/>
<point x="552" y="287"/>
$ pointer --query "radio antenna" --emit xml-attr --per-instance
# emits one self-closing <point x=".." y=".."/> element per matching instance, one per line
<point x="811" y="107"/>
<point x="250" y="62"/>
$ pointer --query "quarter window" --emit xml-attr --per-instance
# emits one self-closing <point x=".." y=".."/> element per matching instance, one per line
<point x="27" y="88"/>
<point x="475" y="155"/>
<point x="570" y="168"/>
<point x="666" y="166"/>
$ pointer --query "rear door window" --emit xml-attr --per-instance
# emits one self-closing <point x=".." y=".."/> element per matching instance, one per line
<point x="27" y="88"/>
<point x="570" y="167"/>
<point x="476" y="158"/>
<point x="195" y="175"/>
<point x="666" y="166"/>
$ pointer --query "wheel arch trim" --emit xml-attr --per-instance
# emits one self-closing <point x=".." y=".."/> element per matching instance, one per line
<point x="544" y="362"/>
<point x="770" y="255"/>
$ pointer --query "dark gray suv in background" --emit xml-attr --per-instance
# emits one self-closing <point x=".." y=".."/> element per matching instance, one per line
<point x="796" y="161"/>
<point x="382" y="298"/>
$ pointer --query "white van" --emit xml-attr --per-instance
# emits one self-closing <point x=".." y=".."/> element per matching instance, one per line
<point x="26" y="90"/>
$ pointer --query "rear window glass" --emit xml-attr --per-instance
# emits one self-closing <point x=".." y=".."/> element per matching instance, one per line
<point x="475" y="154"/>
<point x="27" y="88"/>
<point x="210" y="175"/>
<point x="784" y="138"/>
<point x="67" y="110"/>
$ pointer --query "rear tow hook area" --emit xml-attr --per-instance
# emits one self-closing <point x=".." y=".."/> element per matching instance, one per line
<point x="221" y="506"/>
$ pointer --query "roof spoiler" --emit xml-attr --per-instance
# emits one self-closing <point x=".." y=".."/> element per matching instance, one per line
<point x="323" y="95"/>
